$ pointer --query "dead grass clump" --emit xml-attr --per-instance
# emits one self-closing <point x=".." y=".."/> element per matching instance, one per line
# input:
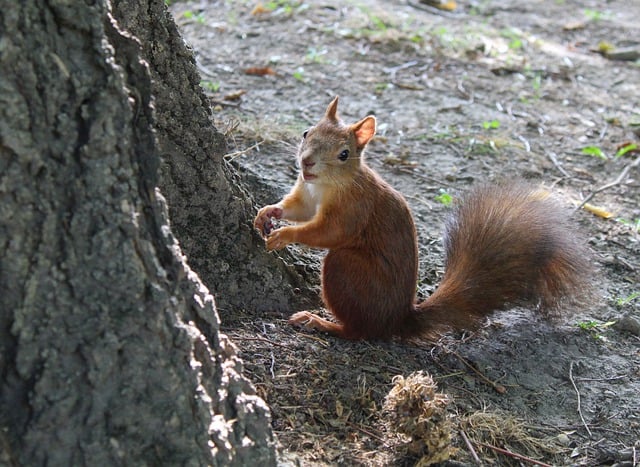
<point x="417" y="414"/>
<point x="490" y="430"/>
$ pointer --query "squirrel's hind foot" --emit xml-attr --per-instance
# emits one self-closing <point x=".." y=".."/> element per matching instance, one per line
<point x="309" y="320"/>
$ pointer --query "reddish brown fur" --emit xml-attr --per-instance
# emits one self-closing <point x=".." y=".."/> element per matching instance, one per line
<point x="505" y="245"/>
<point x="369" y="282"/>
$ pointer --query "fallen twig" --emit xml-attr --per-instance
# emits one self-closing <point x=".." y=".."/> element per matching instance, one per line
<point x="320" y="340"/>
<point x="603" y="132"/>
<point x="233" y="155"/>
<point x="272" y="367"/>
<point x="366" y="432"/>
<point x="610" y="378"/>
<point x="497" y="386"/>
<point x="473" y="452"/>
<point x="515" y="455"/>
<point x="223" y="102"/>
<point x="552" y="157"/>
<point x="578" y="394"/>
<point x="393" y="70"/>
<point x="525" y="141"/>
<point x="617" y="181"/>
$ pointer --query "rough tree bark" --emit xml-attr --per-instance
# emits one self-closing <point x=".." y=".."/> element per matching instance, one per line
<point x="209" y="209"/>
<point x="109" y="345"/>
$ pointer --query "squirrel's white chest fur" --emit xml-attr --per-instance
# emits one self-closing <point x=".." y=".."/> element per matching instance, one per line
<point x="315" y="192"/>
<point x="315" y="195"/>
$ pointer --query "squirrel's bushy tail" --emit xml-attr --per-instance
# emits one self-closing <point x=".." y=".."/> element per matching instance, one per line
<point x="505" y="246"/>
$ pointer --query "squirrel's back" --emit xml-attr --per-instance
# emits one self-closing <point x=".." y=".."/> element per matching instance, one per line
<point x="505" y="245"/>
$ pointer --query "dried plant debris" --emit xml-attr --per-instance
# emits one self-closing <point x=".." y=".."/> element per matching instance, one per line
<point x="423" y="431"/>
<point x="499" y="435"/>
<point x="417" y="413"/>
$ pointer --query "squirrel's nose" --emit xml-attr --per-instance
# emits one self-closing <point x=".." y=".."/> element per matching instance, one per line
<point x="307" y="163"/>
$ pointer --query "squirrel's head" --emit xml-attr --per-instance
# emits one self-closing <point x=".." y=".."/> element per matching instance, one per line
<point x="331" y="151"/>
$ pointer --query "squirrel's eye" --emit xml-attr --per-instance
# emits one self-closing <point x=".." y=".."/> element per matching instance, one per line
<point x="304" y="135"/>
<point x="344" y="155"/>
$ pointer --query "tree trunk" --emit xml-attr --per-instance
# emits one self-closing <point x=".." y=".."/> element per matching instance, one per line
<point x="209" y="210"/>
<point x="109" y="345"/>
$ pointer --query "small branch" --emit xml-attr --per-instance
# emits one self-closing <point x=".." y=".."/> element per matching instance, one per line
<point x="470" y="447"/>
<point x="603" y="132"/>
<point x="223" y="102"/>
<point x="621" y="178"/>
<point x="527" y="146"/>
<point x="318" y="339"/>
<point x="497" y="386"/>
<point x="366" y="432"/>
<point x="578" y="394"/>
<point x="611" y="378"/>
<point x="512" y="454"/>
<point x="393" y="70"/>
<point x="273" y="364"/>
<point x="233" y="155"/>
<point x="554" y="160"/>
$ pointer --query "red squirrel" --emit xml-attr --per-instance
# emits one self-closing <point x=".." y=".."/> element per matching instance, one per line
<point x="505" y="245"/>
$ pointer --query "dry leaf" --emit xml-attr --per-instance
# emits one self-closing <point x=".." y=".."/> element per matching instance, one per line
<point x="598" y="211"/>
<point x="260" y="71"/>
<point x="259" y="9"/>
<point x="446" y="5"/>
<point x="234" y="96"/>
<point x="574" y="26"/>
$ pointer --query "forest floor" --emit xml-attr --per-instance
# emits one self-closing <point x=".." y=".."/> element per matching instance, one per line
<point x="545" y="90"/>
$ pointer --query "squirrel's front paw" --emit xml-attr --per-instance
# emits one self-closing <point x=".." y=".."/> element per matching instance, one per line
<point x="280" y="238"/>
<point x="263" y="222"/>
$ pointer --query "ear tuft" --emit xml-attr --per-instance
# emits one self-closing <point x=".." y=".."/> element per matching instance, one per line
<point x="364" y="130"/>
<point x="332" y="110"/>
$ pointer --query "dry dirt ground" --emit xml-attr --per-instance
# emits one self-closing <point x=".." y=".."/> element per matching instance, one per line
<point x="546" y="90"/>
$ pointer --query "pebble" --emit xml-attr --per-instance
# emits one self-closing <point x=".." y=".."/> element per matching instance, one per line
<point x="563" y="439"/>
<point x="628" y="324"/>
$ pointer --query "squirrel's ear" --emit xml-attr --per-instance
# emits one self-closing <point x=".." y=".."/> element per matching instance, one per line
<point x="364" y="130"/>
<point x="332" y="110"/>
